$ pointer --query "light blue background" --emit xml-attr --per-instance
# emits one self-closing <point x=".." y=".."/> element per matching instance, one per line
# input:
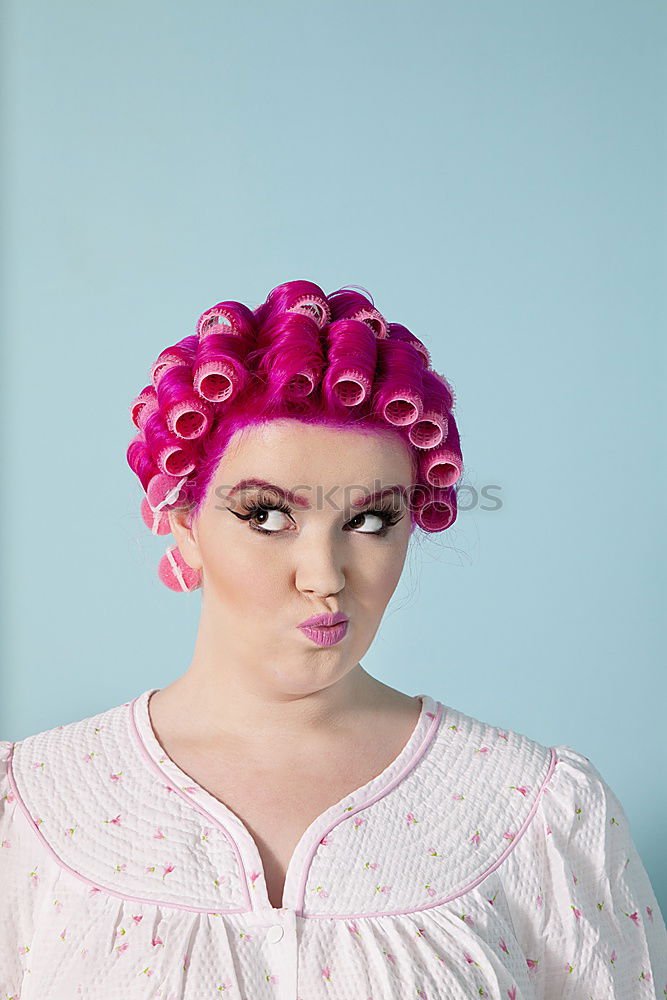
<point x="494" y="174"/>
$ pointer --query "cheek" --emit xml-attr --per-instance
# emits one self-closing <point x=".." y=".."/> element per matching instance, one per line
<point x="377" y="571"/>
<point x="248" y="572"/>
<point x="238" y="570"/>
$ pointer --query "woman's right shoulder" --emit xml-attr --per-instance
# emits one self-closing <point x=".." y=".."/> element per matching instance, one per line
<point x="6" y="796"/>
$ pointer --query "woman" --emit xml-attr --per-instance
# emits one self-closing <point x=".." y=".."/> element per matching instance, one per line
<point x="277" y="823"/>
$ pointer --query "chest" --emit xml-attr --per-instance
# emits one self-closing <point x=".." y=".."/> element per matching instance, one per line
<point x="277" y="803"/>
<point x="276" y="816"/>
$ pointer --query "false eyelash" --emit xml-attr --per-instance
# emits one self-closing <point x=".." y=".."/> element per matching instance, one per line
<point x="254" y="506"/>
<point x="387" y="514"/>
<point x="262" y="504"/>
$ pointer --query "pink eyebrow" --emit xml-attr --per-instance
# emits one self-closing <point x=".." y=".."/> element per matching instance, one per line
<point x="262" y="483"/>
<point x="301" y="502"/>
<point x="370" y="497"/>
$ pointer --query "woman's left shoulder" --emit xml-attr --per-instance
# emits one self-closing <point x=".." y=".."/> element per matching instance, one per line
<point x="491" y="762"/>
<point x="563" y="791"/>
<point x="579" y="893"/>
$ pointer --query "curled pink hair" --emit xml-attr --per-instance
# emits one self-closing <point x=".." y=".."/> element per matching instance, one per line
<point x="323" y="359"/>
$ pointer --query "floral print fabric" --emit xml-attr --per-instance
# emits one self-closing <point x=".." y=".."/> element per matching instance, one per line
<point x="479" y="863"/>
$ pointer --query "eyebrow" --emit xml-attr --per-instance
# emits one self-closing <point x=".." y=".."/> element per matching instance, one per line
<point x="390" y="490"/>
<point x="298" y="501"/>
<point x="245" y="484"/>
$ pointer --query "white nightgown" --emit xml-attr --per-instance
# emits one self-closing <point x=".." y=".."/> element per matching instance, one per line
<point x="479" y="863"/>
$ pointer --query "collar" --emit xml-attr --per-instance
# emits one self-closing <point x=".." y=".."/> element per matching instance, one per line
<point x="115" y="811"/>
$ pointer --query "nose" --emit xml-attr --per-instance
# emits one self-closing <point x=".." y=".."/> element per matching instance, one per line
<point x="319" y="568"/>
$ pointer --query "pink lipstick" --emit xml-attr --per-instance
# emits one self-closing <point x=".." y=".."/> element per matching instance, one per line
<point x="325" y="630"/>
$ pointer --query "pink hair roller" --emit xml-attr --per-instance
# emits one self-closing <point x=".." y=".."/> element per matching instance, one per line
<point x="402" y="408"/>
<point x="437" y="511"/>
<point x="174" y="460"/>
<point x="373" y="318"/>
<point x="144" y="404"/>
<point x="218" y="370"/>
<point x="157" y="521"/>
<point x="292" y="358"/>
<point x="351" y="387"/>
<point x="177" y="355"/>
<point x="352" y="358"/>
<point x="189" y="419"/>
<point x="214" y="380"/>
<point x="300" y="385"/>
<point x="140" y="459"/>
<point x="175" y="572"/>
<point x="146" y="411"/>
<point x="218" y="319"/>
<point x="313" y="306"/>
<point x="185" y="414"/>
<point x="444" y="384"/>
<point x="302" y="297"/>
<point x="429" y="430"/>
<point x="432" y="428"/>
<point x="399" y="332"/>
<point x="400" y="401"/>
<point x="164" y="490"/>
<point x="166" y="360"/>
<point x="442" y="466"/>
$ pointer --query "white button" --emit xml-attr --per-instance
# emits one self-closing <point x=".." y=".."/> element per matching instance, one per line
<point x="274" y="933"/>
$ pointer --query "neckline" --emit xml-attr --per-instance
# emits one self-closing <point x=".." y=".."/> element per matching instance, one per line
<point x="243" y="844"/>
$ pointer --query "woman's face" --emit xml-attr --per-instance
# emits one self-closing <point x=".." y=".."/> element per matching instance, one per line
<point x="268" y="571"/>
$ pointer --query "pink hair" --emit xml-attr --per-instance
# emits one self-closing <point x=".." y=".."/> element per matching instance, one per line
<point x="325" y="359"/>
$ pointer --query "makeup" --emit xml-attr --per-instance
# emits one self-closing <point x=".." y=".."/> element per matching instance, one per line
<point x="325" y="635"/>
<point x="325" y="629"/>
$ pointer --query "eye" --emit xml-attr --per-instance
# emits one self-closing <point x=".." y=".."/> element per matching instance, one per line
<point x="372" y="523"/>
<point x="370" y="519"/>
<point x="264" y="517"/>
<point x="271" y="519"/>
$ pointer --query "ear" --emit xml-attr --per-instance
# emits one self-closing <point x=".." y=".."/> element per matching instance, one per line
<point x="185" y="536"/>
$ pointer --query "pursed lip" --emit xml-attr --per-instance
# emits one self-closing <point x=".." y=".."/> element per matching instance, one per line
<point x="327" y="620"/>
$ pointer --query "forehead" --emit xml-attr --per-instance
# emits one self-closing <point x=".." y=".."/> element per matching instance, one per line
<point x="290" y="449"/>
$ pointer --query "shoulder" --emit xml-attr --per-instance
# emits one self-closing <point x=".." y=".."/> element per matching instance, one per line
<point x="105" y="813"/>
<point x="6" y="794"/>
<point x="482" y="783"/>
<point x="490" y="762"/>
<point x="581" y="811"/>
<point x="451" y="817"/>
<point x="578" y="824"/>
<point x="509" y="759"/>
<point x="47" y="772"/>
<point x="541" y="808"/>
<point x="52" y="764"/>
<point x="48" y="756"/>
<point x="10" y="812"/>
<point x="576" y="775"/>
<point x="536" y="796"/>
<point x="528" y="798"/>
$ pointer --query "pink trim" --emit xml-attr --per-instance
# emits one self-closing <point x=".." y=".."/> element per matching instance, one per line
<point x="83" y="878"/>
<point x="275" y="911"/>
<point x="191" y="802"/>
<point x="471" y="885"/>
<point x="298" y="868"/>
<point x="381" y="793"/>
